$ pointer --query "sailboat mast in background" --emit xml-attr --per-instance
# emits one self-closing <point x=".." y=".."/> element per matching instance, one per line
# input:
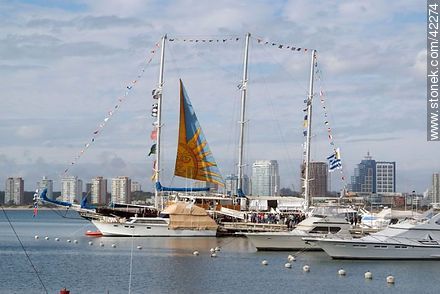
<point x="242" y="117"/>
<point x="307" y="200"/>
<point x="158" y="123"/>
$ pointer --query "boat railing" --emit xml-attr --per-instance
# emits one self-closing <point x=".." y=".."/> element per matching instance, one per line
<point x="112" y="219"/>
<point x="247" y="226"/>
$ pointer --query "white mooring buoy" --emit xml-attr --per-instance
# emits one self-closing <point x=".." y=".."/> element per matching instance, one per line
<point x="288" y="265"/>
<point x="57" y="239"/>
<point x="75" y="241"/>
<point x="139" y="247"/>
<point x="46" y="238"/>
<point x="390" y="279"/>
<point x="90" y="243"/>
<point x="217" y="249"/>
<point x="101" y="244"/>
<point x="264" y="262"/>
<point x="368" y="275"/>
<point x="114" y="245"/>
<point x="306" y="268"/>
<point x="196" y="253"/>
<point x="341" y="272"/>
<point x="291" y="258"/>
<point x="212" y="250"/>
<point x="37" y="237"/>
<point x="68" y="241"/>
<point x="213" y="255"/>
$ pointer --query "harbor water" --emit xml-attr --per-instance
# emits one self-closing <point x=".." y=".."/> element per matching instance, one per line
<point x="168" y="265"/>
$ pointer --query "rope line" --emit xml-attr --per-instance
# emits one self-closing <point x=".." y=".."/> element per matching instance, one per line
<point x="24" y="249"/>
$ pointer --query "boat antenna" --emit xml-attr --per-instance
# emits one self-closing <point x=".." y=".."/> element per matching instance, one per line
<point x="158" y="122"/>
<point x="307" y="198"/>
<point x="242" y="117"/>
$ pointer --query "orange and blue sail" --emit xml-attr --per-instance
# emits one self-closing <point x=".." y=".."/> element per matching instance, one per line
<point x="194" y="158"/>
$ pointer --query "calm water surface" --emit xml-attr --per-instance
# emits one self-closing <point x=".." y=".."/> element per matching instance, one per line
<point x="167" y="265"/>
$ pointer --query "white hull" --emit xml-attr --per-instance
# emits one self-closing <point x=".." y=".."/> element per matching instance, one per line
<point x="352" y="249"/>
<point x="409" y="239"/>
<point x="311" y="227"/>
<point x="148" y="230"/>
<point x="282" y="241"/>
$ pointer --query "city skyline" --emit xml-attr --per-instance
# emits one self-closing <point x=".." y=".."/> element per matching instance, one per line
<point x="367" y="163"/>
<point x="76" y="59"/>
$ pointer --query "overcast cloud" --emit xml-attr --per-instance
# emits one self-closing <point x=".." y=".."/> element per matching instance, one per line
<point x="64" y="64"/>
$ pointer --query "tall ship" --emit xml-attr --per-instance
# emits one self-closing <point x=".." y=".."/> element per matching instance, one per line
<point x="194" y="160"/>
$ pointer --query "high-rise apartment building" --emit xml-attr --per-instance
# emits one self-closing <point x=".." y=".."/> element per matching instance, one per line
<point x="364" y="176"/>
<point x="371" y="176"/>
<point x="121" y="190"/>
<point x="14" y="191"/>
<point x="45" y="183"/>
<point x="318" y="175"/>
<point x="435" y="189"/>
<point x="71" y="189"/>
<point x="231" y="184"/>
<point x="385" y="177"/>
<point x="98" y="190"/>
<point x="136" y="186"/>
<point x="265" y="178"/>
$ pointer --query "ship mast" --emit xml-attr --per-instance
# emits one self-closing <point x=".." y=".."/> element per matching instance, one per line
<point x="307" y="198"/>
<point x="158" y="122"/>
<point x="242" y="117"/>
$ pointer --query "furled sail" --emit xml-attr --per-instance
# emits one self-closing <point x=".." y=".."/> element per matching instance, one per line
<point x="194" y="159"/>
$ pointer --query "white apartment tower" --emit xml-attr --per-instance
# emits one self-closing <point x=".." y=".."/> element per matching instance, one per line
<point x="71" y="189"/>
<point x="121" y="190"/>
<point x="385" y="177"/>
<point x="45" y="183"/>
<point x="98" y="190"/>
<point x="14" y="191"/>
<point x="265" y="178"/>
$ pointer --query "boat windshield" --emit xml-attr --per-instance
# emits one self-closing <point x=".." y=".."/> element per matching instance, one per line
<point x="325" y="230"/>
<point x="322" y="211"/>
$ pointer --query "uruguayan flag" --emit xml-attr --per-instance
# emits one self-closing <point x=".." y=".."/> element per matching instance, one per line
<point x="334" y="161"/>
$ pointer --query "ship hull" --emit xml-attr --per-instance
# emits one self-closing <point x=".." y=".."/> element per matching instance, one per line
<point x="280" y="241"/>
<point x="340" y="249"/>
<point x="148" y="230"/>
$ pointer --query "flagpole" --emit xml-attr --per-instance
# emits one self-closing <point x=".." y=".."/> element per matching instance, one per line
<point x="158" y="122"/>
<point x="242" y="117"/>
<point x="307" y="198"/>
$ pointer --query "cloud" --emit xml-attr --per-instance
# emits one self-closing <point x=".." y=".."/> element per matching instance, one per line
<point x="64" y="65"/>
<point x="419" y="65"/>
<point x="45" y="47"/>
<point x="88" y="22"/>
<point x="29" y="132"/>
<point x="118" y="162"/>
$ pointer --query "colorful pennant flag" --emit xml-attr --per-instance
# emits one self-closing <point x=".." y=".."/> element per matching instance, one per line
<point x="153" y="135"/>
<point x="116" y="107"/>
<point x="334" y="161"/>
<point x="152" y="149"/>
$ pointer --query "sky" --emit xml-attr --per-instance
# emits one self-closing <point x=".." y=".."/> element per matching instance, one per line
<point x="65" y="64"/>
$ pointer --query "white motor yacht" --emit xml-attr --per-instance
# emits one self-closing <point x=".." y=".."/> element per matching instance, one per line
<point x="293" y="240"/>
<point x="409" y="239"/>
<point x="177" y="220"/>
<point x="324" y="221"/>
